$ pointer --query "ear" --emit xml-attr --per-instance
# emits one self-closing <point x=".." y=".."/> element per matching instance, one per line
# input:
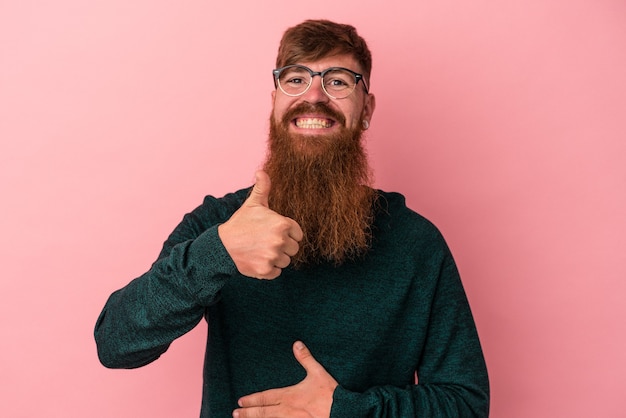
<point x="368" y="108"/>
<point x="273" y="97"/>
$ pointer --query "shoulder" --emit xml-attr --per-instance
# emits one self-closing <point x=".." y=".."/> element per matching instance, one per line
<point x="406" y="227"/>
<point x="219" y="209"/>
<point x="216" y="210"/>
<point x="392" y="209"/>
<point x="213" y="211"/>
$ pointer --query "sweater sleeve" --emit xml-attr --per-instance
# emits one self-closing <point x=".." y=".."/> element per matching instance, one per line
<point x="452" y="373"/>
<point x="140" y="321"/>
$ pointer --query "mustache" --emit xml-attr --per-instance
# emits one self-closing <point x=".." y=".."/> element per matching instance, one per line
<point x="319" y="108"/>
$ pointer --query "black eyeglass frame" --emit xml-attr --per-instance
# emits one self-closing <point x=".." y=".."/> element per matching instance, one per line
<point x="357" y="77"/>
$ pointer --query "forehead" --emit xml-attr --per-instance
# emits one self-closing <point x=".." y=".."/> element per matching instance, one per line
<point x="345" y="61"/>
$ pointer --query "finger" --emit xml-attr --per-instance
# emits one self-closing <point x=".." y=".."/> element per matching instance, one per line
<point x="265" y="398"/>
<point x="261" y="190"/>
<point x="282" y="261"/>
<point x="305" y="358"/>
<point x="270" y="274"/>
<point x="291" y="247"/>
<point x="295" y="231"/>
<point x="272" y="411"/>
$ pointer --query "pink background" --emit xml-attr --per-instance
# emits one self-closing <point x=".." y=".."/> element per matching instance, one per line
<point x="504" y="122"/>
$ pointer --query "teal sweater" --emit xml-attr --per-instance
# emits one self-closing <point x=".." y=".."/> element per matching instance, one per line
<point x="373" y="323"/>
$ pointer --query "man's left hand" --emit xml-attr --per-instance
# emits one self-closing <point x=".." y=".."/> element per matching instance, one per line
<point x="311" y="398"/>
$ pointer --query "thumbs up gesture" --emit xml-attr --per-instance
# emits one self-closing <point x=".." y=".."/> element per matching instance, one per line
<point x="260" y="241"/>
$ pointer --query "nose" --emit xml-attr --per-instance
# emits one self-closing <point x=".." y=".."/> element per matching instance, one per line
<point x="315" y="93"/>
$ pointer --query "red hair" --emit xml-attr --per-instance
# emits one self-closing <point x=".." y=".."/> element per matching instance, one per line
<point x="312" y="40"/>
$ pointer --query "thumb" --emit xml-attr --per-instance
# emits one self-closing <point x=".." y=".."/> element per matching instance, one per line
<point x="305" y="358"/>
<point x="261" y="190"/>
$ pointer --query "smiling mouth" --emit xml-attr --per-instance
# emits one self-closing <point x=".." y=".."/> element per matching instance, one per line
<point x="313" y="123"/>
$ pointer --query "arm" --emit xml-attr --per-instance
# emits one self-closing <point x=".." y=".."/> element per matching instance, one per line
<point x="452" y="374"/>
<point x="213" y="243"/>
<point x="139" y="321"/>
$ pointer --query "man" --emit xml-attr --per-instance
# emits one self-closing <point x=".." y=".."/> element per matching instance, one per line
<point x="323" y="296"/>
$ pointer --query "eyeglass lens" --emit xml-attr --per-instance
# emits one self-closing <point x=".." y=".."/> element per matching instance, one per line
<point x="338" y="83"/>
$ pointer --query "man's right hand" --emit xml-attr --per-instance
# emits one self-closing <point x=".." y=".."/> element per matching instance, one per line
<point x="260" y="241"/>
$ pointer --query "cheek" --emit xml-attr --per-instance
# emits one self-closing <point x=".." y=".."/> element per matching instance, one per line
<point x="280" y="108"/>
<point x="353" y="118"/>
<point x="352" y="111"/>
<point x="277" y="114"/>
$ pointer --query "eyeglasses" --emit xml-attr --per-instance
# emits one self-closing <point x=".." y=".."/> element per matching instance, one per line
<point x="337" y="82"/>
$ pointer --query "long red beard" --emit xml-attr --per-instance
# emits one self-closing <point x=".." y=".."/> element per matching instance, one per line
<point x="323" y="183"/>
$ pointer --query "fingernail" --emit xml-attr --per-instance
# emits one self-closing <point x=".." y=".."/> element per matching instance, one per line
<point x="299" y="345"/>
<point x="235" y="414"/>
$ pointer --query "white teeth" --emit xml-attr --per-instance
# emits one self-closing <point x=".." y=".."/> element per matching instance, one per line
<point x="313" y="123"/>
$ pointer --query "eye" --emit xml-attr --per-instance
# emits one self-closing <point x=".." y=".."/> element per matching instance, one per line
<point x="295" y="80"/>
<point x="338" y="80"/>
<point x="295" y="77"/>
